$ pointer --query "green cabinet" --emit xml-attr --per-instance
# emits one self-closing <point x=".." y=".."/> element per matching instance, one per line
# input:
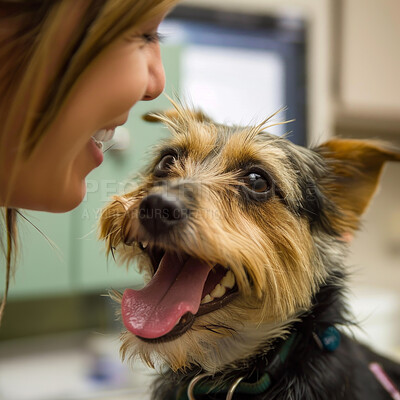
<point x="42" y="267"/>
<point x="80" y="264"/>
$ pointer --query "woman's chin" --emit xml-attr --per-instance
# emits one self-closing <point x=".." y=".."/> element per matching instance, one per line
<point x="71" y="199"/>
<point x="63" y="200"/>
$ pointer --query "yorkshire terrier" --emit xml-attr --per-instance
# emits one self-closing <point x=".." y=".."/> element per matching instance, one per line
<point x="242" y="237"/>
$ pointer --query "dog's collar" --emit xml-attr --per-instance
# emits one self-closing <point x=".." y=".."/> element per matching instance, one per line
<point x="328" y="339"/>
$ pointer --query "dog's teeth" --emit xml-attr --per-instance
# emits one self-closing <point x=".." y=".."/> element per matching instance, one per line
<point x="218" y="291"/>
<point x="143" y="245"/>
<point x="207" y="299"/>
<point x="228" y="280"/>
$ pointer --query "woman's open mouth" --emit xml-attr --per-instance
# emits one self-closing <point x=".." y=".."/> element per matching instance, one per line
<point x="181" y="289"/>
<point x="96" y="143"/>
<point x="102" y="136"/>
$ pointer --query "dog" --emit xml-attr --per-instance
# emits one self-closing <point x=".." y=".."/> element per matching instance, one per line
<point x="242" y="238"/>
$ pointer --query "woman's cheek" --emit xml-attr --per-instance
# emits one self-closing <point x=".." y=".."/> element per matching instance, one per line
<point x="123" y="90"/>
<point x="119" y="84"/>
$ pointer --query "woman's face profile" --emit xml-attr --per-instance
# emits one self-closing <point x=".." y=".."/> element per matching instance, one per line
<point x="129" y="70"/>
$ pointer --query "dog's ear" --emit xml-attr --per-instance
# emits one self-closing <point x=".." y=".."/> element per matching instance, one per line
<point x="175" y="114"/>
<point x="356" y="166"/>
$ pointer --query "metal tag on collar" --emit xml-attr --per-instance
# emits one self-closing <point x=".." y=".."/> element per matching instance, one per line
<point x="195" y="380"/>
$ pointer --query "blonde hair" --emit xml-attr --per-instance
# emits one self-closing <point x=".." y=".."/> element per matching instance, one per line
<point x="29" y="101"/>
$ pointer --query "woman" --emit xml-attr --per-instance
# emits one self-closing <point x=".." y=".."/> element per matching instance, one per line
<point x="70" y="70"/>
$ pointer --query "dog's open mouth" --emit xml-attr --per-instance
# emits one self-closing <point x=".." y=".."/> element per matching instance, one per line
<point x="181" y="289"/>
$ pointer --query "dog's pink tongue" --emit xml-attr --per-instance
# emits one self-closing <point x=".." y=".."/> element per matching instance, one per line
<point x="175" y="289"/>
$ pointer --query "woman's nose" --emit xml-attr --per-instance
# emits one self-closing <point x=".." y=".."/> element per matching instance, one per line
<point x="156" y="81"/>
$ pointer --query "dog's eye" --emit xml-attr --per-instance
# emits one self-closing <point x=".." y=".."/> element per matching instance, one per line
<point x="256" y="182"/>
<point x="258" y="185"/>
<point x="164" y="165"/>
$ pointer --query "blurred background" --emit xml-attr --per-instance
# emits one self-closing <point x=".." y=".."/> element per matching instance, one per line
<point x="335" y="65"/>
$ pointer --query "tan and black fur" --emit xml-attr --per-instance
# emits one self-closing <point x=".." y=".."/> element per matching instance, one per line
<point x="278" y="217"/>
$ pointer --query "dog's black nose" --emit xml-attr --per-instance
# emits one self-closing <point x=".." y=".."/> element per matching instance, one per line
<point x="159" y="212"/>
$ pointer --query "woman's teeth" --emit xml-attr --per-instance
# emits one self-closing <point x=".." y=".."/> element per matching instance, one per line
<point x="103" y="135"/>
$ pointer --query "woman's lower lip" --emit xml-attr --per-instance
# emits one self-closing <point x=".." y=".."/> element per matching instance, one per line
<point x="96" y="153"/>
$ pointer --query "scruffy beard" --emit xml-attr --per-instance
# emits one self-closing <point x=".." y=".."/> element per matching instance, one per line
<point x="209" y="344"/>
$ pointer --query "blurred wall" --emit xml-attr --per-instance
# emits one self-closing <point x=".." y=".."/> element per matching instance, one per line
<point x="318" y="15"/>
